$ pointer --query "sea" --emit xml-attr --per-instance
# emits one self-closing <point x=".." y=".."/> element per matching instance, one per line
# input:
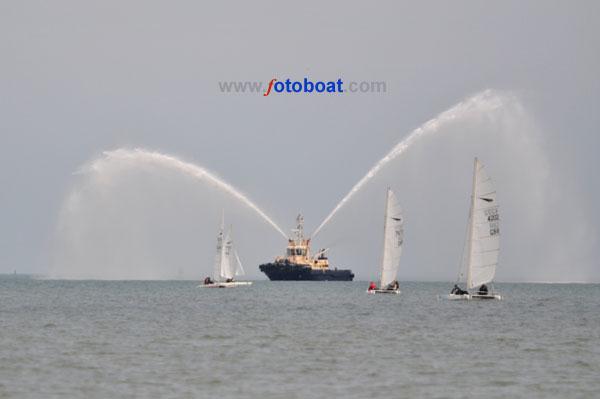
<point x="170" y="339"/>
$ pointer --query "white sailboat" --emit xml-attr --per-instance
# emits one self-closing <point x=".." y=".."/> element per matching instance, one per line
<point x="482" y="244"/>
<point x="393" y="238"/>
<point x="227" y="263"/>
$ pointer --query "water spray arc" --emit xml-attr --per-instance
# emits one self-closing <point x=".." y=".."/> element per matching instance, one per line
<point x="483" y="102"/>
<point x="167" y="161"/>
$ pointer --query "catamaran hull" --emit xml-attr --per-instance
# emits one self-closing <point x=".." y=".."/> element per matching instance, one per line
<point x="462" y="297"/>
<point x="291" y="272"/>
<point x="226" y="285"/>
<point x="469" y="297"/>
<point x="383" y="292"/>
<point x="488" y="296"/>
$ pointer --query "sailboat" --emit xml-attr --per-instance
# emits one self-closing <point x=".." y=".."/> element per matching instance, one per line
<point x="393" y="238"/>
<point x="227" y="263"/>
<point x="482" y="244"/>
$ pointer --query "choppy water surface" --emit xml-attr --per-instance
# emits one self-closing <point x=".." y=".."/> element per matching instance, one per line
<point x="98" y="339"/>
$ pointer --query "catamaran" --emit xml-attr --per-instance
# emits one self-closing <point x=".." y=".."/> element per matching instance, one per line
<point x="393" y="237"/>
<point x="227" y="263"/>
<point x="482" y="244"/>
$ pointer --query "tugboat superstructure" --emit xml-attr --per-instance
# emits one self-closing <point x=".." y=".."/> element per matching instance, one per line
<point x="298" y="264"/>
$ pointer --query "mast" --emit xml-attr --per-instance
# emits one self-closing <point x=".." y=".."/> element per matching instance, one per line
<point x="299" y="227"/>
<point x="220" y="249"/>
<point x="385" y="222"/>
<point x="230" y="250"/>
<point x="471" y="223"/>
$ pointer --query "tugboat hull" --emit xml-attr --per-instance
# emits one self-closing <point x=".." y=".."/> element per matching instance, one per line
<point x="291" y="272"/>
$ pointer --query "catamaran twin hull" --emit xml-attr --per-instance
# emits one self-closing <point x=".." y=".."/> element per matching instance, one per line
<point x="232" y="284"/>
<point x="468" y="297"/>
<point x="383" y="291"/>
<point x="295" y="272"/>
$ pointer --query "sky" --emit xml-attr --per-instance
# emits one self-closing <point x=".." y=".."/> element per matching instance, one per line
<point x="80" y="78"/>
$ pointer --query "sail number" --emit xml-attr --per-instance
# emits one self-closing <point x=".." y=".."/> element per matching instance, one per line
<point x="493" y="218"/>
<point x="494" y="229"/>
<point x="492" y="214"/>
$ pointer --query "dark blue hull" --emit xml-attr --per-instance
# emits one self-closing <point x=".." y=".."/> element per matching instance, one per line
<point x="292" y="272"/>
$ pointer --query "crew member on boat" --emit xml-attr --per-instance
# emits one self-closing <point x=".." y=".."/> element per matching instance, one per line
<point x="457" y="291"/>
<point x="393" y="286"/>
<point x="483" y="290"/>
<point x="372" y="286"/>
<point x="208" y="281"/>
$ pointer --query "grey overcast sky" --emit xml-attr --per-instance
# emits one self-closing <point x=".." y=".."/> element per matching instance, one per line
<point x="78" y="78"/>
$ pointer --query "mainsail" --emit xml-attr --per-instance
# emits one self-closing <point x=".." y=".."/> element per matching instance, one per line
<point x="226" y="266"/>
<point x="483" y="245"/>
<point x="392" y="240"/>
<point x="220" y="251"/>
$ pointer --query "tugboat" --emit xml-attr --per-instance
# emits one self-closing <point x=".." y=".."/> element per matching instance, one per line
<point x="298" y="264"/>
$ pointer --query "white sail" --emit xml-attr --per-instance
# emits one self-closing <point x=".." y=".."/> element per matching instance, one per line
<point x="484" y="230"/>
<point x="227" y="271"/>
<point x="392" y="240"/>
<point x="464" y="261"/>
<point x="220" y="251"/>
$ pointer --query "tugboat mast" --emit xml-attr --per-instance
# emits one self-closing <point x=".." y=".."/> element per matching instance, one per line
<point x="299" y="230"/>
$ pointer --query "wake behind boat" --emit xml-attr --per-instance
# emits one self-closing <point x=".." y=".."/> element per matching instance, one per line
<point x="393" y="238"/>
<point x="227" y="263"/>
<point x="482" y="244"/>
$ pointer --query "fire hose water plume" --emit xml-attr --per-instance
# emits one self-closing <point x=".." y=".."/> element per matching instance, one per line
<point x="190" y="169"/>
<point x="483" y="102"/>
